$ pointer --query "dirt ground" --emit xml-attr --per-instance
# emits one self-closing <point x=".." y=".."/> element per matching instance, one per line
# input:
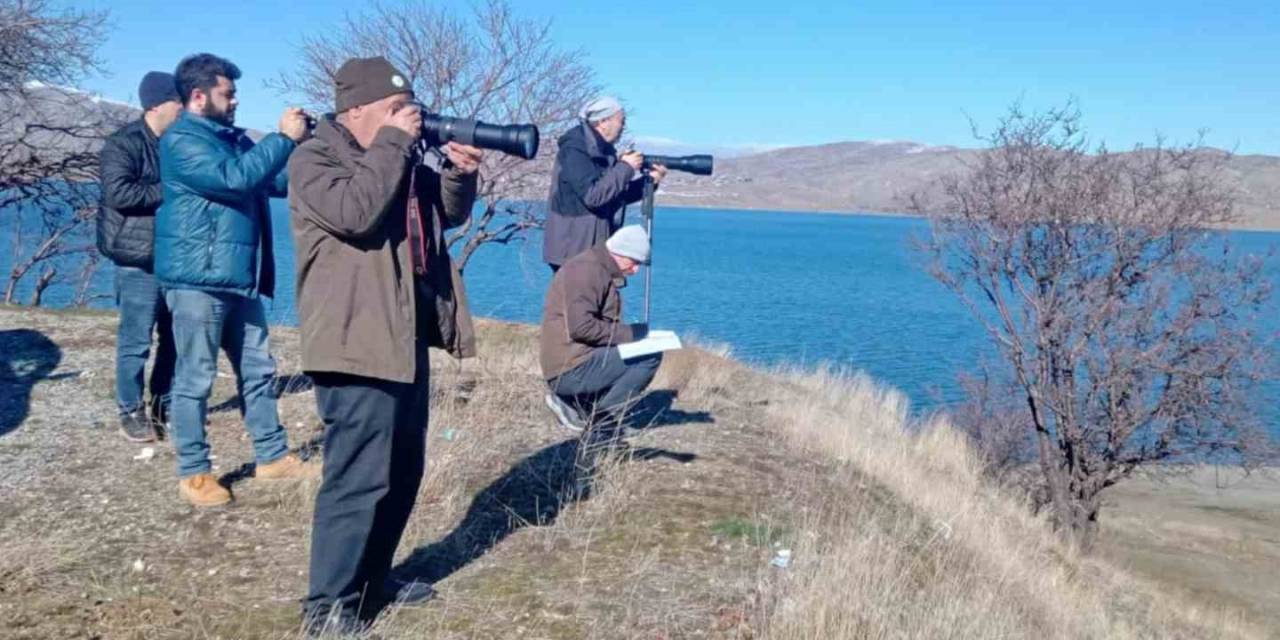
<point x="96" y="543"/>
<point x="1212" y="533"/>
<point x="676" y="540"/>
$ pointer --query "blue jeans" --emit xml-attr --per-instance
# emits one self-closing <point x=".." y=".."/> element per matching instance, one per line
<point x="203" y="321"/>
<point x="142" y="310"/>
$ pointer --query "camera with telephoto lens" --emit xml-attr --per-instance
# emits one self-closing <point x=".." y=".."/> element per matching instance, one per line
<point x="520" y="140"/>
<point x="700" y="165"/>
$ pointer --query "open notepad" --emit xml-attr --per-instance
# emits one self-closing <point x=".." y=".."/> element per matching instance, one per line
<point x="653" y="343"/>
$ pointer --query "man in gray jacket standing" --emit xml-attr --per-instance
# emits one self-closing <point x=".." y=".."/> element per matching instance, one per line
<point x="591" y="184"/>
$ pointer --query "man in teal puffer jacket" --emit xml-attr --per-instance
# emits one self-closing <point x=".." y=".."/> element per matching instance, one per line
<point x="213" y="259"/>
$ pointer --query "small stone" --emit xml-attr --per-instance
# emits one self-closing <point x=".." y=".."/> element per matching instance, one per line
<point x="213" y="572"/>
<point x="138" y="565"/>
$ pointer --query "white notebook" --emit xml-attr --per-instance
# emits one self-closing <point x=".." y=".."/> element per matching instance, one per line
<point x="656" y="341"/>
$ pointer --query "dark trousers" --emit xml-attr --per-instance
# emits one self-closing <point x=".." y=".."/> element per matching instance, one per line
<point x="605" y="385"/>
<point x="142" y="311"/>
<point x="374" y="457"/>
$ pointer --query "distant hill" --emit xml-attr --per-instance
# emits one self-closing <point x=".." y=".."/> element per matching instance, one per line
<point x="84" y="115"/>
<point x="879" y="177"/>
<point x="853" y="177"/>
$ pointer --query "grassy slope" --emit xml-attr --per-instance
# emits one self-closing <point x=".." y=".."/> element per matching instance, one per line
<point x="893" y="535"/>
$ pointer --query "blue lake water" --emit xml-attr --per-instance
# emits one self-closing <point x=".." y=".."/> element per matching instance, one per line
<point x="794" y="288"/>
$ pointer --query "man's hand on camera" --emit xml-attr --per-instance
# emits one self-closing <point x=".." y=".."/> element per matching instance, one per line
<point x="293" y="124"/>
<point x="657" y="173"/>
<point x="408" y="119"/>
<point x="465" y="157"/>
<point x="633" y="158"/>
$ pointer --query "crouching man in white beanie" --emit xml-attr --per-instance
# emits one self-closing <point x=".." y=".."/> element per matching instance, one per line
<point x="591" y="385"/>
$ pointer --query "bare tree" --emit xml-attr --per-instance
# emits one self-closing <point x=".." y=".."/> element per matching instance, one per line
<point x="996" y="424"/>
<point x="41" y="43"/>
<point x="49" y="136"/>
<point x="1124" y="321"/>
<point x="490" y="65"/>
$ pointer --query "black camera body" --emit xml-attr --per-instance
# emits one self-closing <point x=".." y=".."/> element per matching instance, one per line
<point x="520" y="140"/>
<point x="700" y="165"/>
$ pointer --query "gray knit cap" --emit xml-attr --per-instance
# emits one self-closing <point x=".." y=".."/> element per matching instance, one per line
<point x="630" y="242"/>
<point x="600" y="108"/>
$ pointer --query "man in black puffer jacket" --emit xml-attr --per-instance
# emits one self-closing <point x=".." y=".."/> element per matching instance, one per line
<point x="131" y="193"/>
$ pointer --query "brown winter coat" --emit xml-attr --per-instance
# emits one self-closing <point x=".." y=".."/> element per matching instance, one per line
<point x="356" y="294"/>
<point x="583" y="311"/>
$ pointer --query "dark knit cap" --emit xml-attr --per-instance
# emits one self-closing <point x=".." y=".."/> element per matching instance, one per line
<point x="364" y="80"/>
<point x="157" y="87"/>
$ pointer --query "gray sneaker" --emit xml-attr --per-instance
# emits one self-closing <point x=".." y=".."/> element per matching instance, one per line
<point x="568" y="416"/>
<point x="136" y="427"/>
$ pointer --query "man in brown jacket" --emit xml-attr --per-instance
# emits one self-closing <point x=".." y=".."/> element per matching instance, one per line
<point x="375" y="289"/>
<point x="591" y="385"/>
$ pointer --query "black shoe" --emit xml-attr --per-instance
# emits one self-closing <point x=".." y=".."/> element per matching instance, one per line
<point x="407" y="593"/>
<point x="136" y="427"/>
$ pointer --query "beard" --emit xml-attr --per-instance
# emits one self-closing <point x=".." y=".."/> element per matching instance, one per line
<point x="222" y="116"/>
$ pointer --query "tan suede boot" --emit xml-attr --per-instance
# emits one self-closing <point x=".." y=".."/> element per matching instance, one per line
<point x="203" y="490"/>
<point x="288" y="467"/>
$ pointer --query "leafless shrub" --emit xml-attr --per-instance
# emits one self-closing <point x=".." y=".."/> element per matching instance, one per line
<point x="49" y="138"/>
<point x="1124" y="321"/>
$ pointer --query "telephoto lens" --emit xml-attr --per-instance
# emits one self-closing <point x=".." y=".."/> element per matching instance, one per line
<point x="520" y="140"/>
<point x="700" y="165"/>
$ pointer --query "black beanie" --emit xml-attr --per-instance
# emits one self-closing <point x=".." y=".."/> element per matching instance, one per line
<point x="157" y="87"/>
<point x="364" y="80"/>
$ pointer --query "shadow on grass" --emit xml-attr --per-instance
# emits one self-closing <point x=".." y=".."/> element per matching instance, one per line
<point x="655" y="411"/>
<point x="26" y="357"/>
<point x="531" y="493"/>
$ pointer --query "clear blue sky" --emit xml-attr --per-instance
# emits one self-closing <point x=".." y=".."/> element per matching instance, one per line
<point x="716" y="73"/>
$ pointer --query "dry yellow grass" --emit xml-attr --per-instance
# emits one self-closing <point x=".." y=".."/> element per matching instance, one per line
<point x="892" y="530"/>
<point x="946" y="555"/>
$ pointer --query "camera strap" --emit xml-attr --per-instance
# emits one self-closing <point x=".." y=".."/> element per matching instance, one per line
<point x="416" y="233"/>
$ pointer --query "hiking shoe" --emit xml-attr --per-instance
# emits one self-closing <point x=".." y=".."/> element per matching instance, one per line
<point x="286" y="468"/>
<point x="136" y="427"/>
<point x="203" y="490"/>
<point x="568" y="417"/>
